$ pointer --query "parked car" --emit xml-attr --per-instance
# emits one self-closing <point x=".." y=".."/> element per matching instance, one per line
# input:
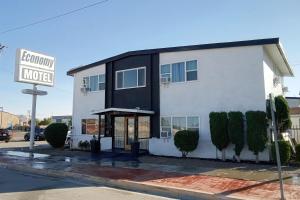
<point x="68" y="139"/>
<point x="39" y="135"/>
<point x="5" y="135"/>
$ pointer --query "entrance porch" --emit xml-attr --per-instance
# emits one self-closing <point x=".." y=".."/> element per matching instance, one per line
<point x="129" y="128"/>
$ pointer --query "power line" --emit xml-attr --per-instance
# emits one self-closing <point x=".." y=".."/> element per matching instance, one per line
<point x="52" y="18"/>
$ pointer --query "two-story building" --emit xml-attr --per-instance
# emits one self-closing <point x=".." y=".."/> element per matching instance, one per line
<point x="149" y="95"/>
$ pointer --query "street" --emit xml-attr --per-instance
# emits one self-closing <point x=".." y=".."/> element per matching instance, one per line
<point x="16" y="185"/>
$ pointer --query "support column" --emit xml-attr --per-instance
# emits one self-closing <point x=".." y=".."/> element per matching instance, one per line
<point x="99" y="131"/>
<point x="136" y="126"/>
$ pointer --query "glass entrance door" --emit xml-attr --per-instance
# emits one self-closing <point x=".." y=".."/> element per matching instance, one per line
<point x="129" y="132"/>
<point x="119" y="136"/>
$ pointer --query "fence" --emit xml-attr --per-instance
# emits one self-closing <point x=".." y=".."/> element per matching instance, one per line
<point x="295" y="133"/>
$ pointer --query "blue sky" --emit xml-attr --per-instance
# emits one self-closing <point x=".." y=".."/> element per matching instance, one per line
<point x="122" y="25"/>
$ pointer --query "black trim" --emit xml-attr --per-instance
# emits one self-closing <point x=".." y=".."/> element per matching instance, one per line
<point x="292" y="98"/>
<point x="174" y="49"/>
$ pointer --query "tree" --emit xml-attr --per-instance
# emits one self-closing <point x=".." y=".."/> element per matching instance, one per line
<point x="219" y="131"/>
<point x="236" y="131"/>
<point x="45" y="121"/>
<point x="256" y="131"/>
<point x="186" y="141"/>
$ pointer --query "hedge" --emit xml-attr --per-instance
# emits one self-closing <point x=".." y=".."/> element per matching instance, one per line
<point x="218" y="122"/>
<point x="236" y="131"/>
<point x="186" y="141"/>
<point x="256" y="131"/>
<point x="56" y="134"/>
<point x="284" y="151"/>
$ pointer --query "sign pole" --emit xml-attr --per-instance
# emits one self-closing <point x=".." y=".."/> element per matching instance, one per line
<point x="273" y="109"/>
<point x="32" y="125"/>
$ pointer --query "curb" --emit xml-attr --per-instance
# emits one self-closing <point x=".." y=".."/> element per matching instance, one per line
<point x="170" y="192"/>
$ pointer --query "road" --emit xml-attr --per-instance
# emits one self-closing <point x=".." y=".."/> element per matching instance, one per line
<point x="15" y="185"/>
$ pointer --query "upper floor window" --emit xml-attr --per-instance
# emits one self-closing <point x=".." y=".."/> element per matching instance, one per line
<point x="94" y="83"/>
<point x="179" y="72"/>
<point x="131" y="78"/>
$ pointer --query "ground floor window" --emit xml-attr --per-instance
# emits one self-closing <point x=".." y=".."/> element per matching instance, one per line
<point x="171" y="125"/>
<point x="89" y="126"/>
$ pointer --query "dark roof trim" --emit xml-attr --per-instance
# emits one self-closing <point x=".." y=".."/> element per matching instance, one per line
<point x="292" y="98"/>
<point x="180" y="48"/>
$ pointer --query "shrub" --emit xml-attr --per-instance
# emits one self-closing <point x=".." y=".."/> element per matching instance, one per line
<point x="218" y="122"/>
<point x="297" y="152"/>
<point x="186" y="141"/>
<point x="284" y="151"/>
<point x="282" y="114"/>
<point x="56" y="134"/>
<point x="236" y="131"/>
<point x="256" y="131"/>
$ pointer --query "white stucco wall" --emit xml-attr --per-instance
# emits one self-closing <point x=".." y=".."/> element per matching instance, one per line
<point x="229" y="79"/>
<point x="270" y="71"/>
<point x="85" y="104"/>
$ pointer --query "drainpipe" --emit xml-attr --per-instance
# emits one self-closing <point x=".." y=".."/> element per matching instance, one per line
<point x="136" y="121"/>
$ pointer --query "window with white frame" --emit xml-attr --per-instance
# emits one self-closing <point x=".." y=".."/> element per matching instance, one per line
<point x="166" y="127"/>
<point x="192" y="123"/>
<point x="165" y="72"/>
<point x="178" y="124"/>
<point x="171" y="125"/>
<point x="131" y="78"/>
<point x="191" y="70"/>
<point x="180" y="72"/>
<point x="101" y="83"/>
<point x="94" y="83"/>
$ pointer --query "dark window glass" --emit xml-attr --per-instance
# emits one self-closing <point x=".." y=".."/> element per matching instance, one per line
<point x="141" y="76"/>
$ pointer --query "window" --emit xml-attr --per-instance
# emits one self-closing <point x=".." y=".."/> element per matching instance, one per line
<point x="165" y="123"/>
<point x="193" y="124"/>
<point x="179" y="123"/>
<point x="165" y="72"/>
<point x="131" y="78"/>
<point x="144" y="127"/>
<point x="173" y="125"/>
<point x="191" y="70"/>
<point x="101" y="83"/>
<point x="93" y="83"/>
<point x="178" y="73"/>
<point x="89" y="126"/>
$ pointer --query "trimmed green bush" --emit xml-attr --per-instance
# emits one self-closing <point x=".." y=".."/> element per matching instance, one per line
<point x="186" y="141"/>
<point x="56" y="134"/>
<point x="284" y="151"/>
<point x="256" y="131"/>
<point x="297" y="147"/>
<point x="236" y="131"/>
<point x="282" y="114"/>
<point x="218" y="122"/>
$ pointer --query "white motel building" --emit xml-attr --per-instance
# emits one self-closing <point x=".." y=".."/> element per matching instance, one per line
<point x="148" y="95"/>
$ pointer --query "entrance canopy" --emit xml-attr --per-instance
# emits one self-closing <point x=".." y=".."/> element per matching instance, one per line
<point x="123" y="111"/>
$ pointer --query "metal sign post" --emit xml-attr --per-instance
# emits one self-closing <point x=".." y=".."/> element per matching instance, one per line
<point x="37" y="69"/>
<point x="274" y="128"/>
<point x="34" y="92"/>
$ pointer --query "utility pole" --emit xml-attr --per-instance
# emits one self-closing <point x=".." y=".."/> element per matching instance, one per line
<point x="274" y="128"/>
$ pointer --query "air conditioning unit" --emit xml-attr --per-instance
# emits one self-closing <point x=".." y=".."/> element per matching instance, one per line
<point x="165" y="134"/>
<point x="285" y="89"/>
<point x="276" y="81"/>
<point x="84" y="89"/>
<point x="165" y="80"/>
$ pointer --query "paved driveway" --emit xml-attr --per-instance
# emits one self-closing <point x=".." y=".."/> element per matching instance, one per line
<point x="19" y="186"/>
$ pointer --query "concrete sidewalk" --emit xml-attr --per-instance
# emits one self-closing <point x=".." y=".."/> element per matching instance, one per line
<point x="151" y="173"/>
